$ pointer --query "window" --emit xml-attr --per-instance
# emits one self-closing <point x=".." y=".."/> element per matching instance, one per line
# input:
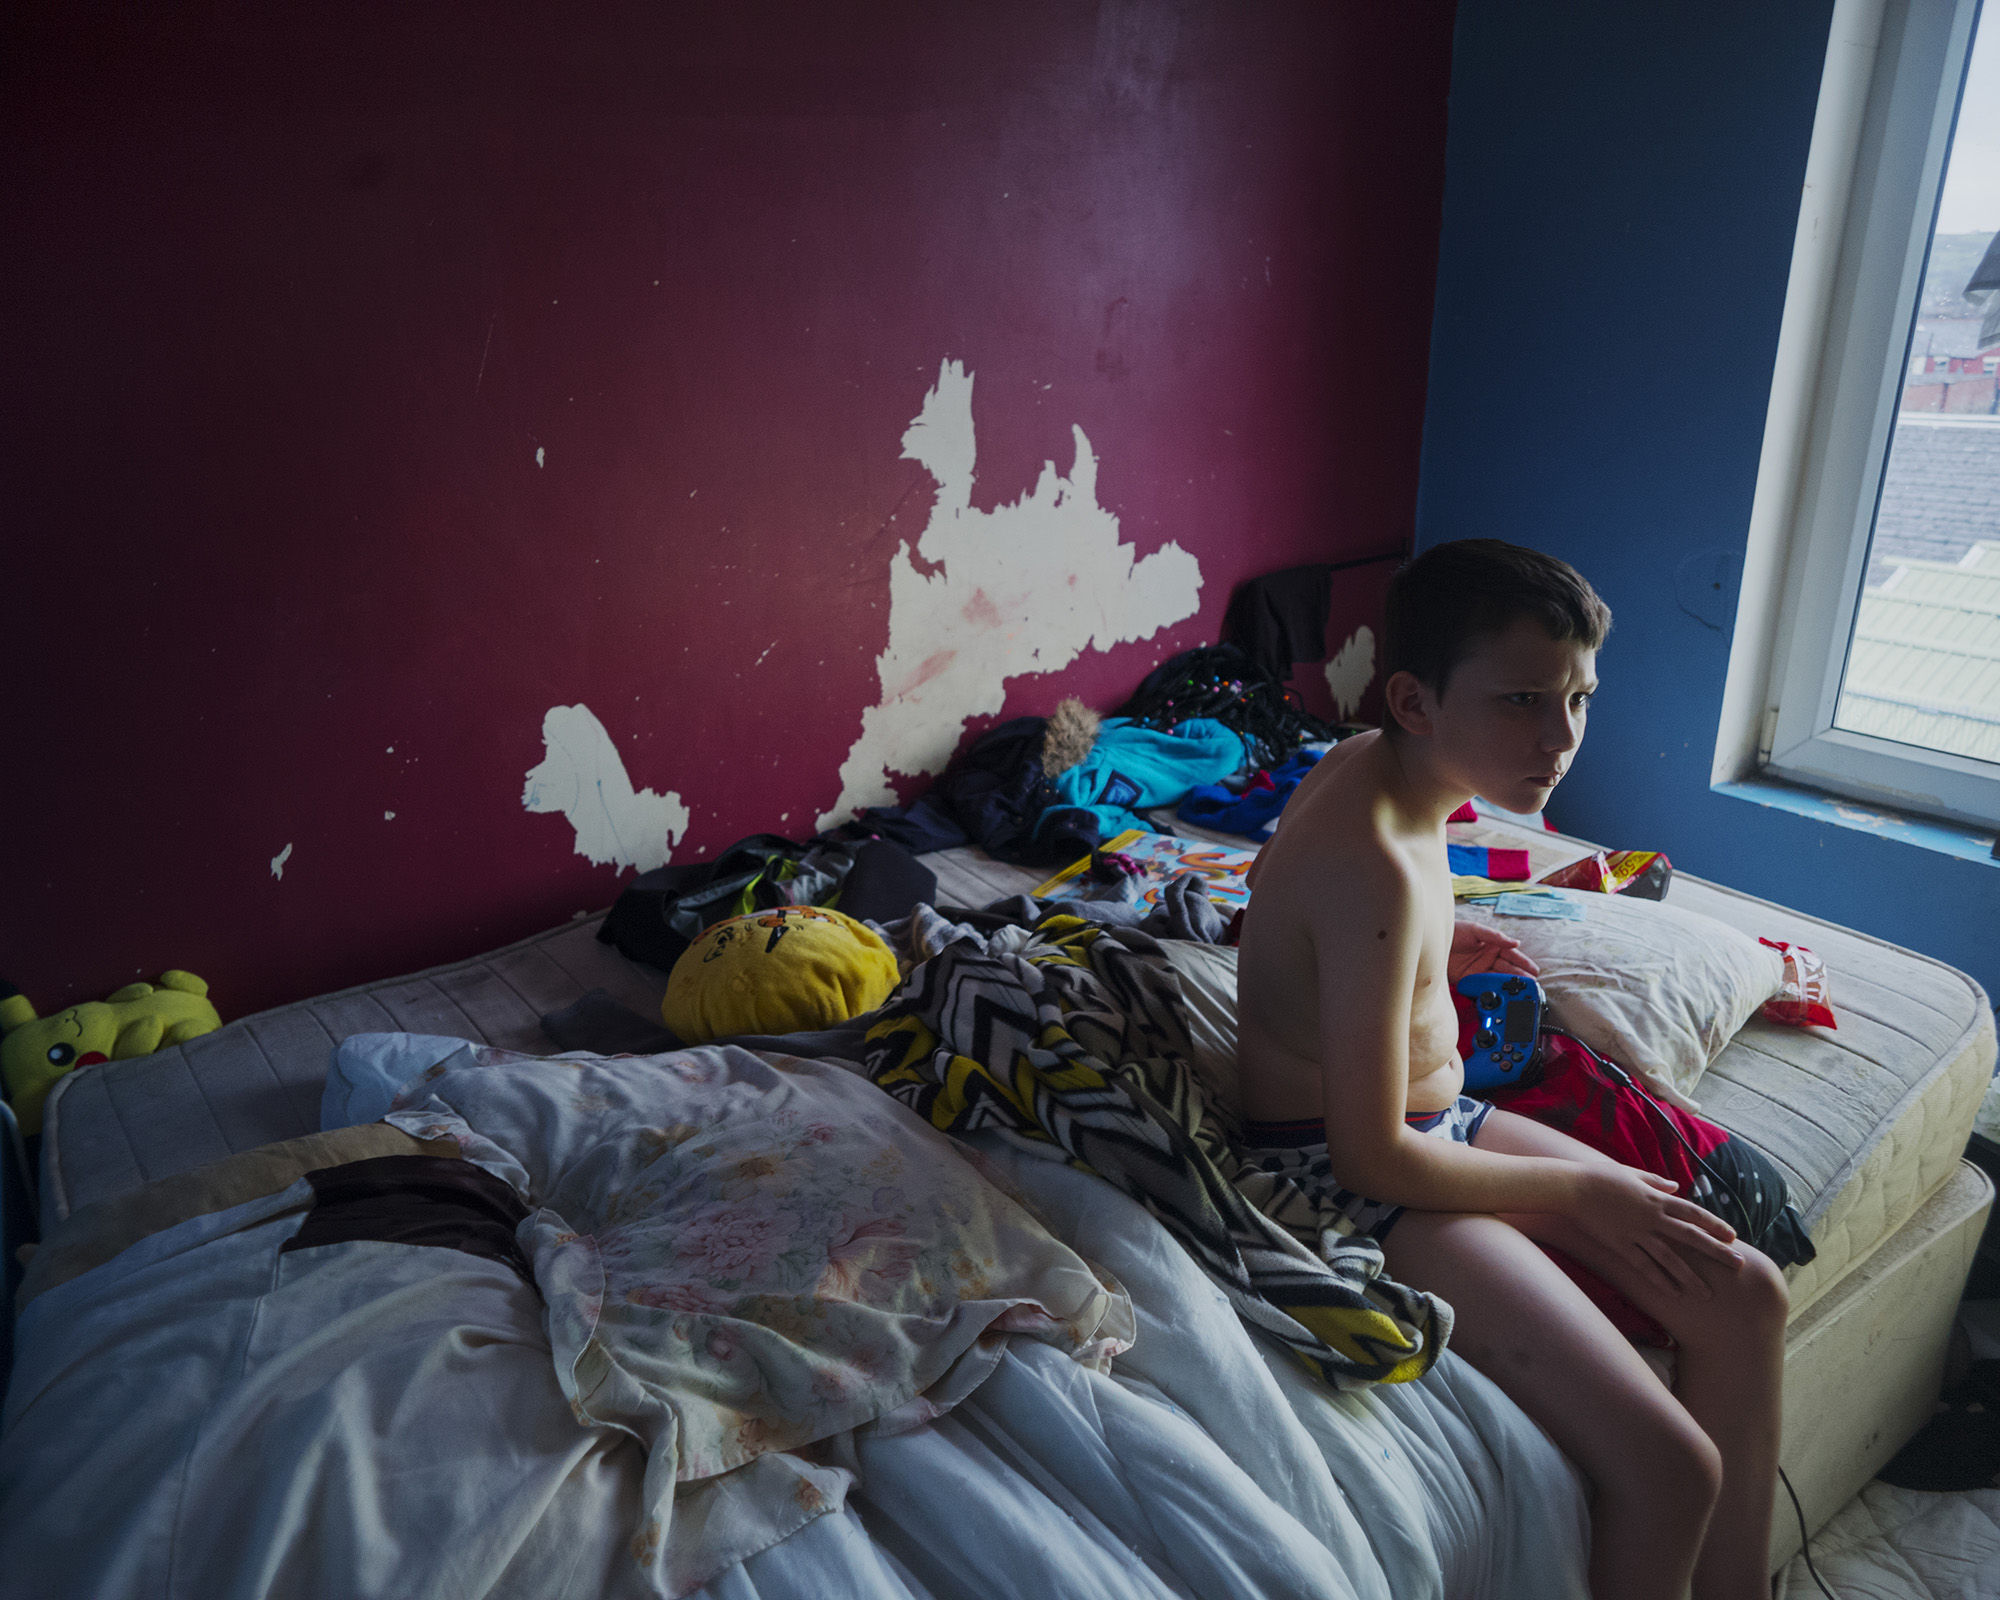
<point x="1867" y="656"/>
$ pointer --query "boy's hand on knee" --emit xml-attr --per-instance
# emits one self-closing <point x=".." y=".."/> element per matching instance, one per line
<point x="1641" y="1216"/>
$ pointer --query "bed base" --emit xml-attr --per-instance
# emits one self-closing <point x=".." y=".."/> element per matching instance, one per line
<point x="1865" y="1362"/>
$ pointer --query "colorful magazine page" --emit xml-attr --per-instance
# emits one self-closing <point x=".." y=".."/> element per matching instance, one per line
<point x="1163" y="858"/>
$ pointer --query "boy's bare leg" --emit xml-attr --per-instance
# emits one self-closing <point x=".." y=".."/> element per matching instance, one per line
<point x="1528" y="1328"/>
<point x="1730" y="1364"/>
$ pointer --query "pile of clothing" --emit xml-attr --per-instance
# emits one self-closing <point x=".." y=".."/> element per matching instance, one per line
<point x="1046" y="791"/>
<point x="1039" y="791"/>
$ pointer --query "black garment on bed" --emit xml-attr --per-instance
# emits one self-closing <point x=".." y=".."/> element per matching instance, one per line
<point x="664" y="911"/>
<point x="886" y="881"/>
<point x="1224" y="683"/>
<point x="1280" y="618"/>
<point x="427" y="1200"/>
<point x="606" y="1026"/>
<point x="995" y="796"/>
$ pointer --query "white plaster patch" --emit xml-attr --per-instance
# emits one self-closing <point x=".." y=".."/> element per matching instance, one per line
<point x="541" y="456"/>
<point x="278" y="862"/>
<point x="584" y="778"/>
<point x="388" y="816"/>
<point x="1024" y="588"/>
<point x="1351" y="670"/>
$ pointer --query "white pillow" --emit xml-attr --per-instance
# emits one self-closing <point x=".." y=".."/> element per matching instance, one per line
<point x="1644" y="984"/>
<point x="368" y="1068"/>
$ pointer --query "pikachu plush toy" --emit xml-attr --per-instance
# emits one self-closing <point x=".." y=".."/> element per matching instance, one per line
<point x="136" y="1021"/>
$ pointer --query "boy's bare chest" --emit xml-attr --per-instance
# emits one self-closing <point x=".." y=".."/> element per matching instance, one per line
<point x="1433" y="1014"/>
<point x="1284" y="997"/>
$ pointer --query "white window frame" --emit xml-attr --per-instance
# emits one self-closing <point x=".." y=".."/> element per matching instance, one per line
<point x="1888" y="103"/>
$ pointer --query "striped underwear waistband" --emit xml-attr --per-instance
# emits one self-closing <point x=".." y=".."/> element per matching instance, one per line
<point x="1296" y="1132"/>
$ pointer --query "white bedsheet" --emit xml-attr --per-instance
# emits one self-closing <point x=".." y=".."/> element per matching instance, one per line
<point x="205" y="1417"/>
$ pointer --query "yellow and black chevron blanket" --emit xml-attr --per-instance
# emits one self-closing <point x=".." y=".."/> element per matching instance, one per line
<point x="1078" y="1036"/>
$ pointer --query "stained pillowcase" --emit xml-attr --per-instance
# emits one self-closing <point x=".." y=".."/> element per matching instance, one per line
<point x="742" y="1254"/>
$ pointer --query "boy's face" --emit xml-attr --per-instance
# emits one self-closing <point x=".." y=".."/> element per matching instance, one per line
<point x="1512" y="715"/>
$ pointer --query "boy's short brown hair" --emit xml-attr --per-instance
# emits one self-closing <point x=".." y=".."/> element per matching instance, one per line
<point x="1453" y="594"/>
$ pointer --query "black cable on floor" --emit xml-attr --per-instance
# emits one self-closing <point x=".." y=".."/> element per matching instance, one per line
<point x="1805" y="1544"/>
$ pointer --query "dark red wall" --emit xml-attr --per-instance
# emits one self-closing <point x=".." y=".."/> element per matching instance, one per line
<point x="292" y="296"/>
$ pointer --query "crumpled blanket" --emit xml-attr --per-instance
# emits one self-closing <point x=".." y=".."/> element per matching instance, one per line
<point x="1076" y="1037"/>
<point x="1184" y="911"/>
<point x="743" y="1255"/>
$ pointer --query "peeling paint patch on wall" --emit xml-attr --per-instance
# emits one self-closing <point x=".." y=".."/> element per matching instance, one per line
<point x="1024" y="588"/>
<point x="278" y="862"/>
<point x="1351" y="670"/>
<point x="583" y="777"/>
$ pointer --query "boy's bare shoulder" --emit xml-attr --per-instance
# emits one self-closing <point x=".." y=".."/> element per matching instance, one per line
<point x="1335" y="835"/>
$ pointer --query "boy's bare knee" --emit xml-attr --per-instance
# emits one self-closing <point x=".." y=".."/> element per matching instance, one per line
<point x="1673" y="1468"/>
<point x="1692" y="1473"/>
<point x="1758" y="1296"/>
<point x="1775" y="1292"/>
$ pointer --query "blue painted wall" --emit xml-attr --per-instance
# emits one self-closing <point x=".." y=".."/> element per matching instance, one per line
<point x="1621" y="191"/>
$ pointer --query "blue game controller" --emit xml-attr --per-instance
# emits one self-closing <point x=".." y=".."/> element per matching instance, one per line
<point x="1510" y="1024"/>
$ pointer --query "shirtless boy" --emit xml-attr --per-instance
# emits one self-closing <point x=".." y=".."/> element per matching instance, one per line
<point x="1348" y="1033"/>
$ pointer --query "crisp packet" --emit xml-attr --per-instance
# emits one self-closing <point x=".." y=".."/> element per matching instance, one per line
<point x="1643" y="874"/>
<point x="1802" y="1000"/>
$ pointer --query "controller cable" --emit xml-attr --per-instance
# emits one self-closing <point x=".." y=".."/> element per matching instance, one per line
<point x="1624" y="1080"/>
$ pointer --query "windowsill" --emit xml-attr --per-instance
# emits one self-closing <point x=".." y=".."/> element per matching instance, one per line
<point x="1947" y="838"/>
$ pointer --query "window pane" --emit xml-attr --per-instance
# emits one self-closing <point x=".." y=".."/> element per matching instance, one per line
<point x="1923" y="664"/>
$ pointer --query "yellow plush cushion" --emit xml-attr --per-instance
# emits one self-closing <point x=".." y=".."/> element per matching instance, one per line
<point x="777" y="971"/>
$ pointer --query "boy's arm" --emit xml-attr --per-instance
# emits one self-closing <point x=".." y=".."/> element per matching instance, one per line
<point x="1366" y="945"/>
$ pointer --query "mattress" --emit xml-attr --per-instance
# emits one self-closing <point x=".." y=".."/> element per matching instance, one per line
<point x="1865" y="1123"/>
<point x="111" y="1128"/>
<point x="108" y="1129"/>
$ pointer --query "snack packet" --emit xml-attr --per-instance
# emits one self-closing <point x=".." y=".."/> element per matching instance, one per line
<point x="1802" y="1001"/>
<point x="1643" y="874"/>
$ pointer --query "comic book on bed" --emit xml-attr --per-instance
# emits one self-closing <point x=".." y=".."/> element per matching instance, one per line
<point x="1160" y="858"/>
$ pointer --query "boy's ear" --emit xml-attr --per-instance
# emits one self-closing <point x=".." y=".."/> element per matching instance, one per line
<point x="1403" y="696"/>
